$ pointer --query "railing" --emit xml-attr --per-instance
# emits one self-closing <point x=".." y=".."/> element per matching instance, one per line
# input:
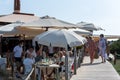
<point x="78" y="60"/>
<point x="32" y="73"/>
<point x="28" y="76"/>
<point x="80" y="57"/>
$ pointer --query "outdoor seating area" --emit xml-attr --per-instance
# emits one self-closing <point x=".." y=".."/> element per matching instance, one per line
<point x="47" y="48"/>
<point x="42" y="57"/>
<point x="48" y="32"/>
<point x="44" y="32"/>
<point x="46" y="67"/>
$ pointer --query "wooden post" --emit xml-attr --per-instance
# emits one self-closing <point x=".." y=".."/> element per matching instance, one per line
<point x="115" y="55"/>
<point x="82" y="54"/>
<point x="12" y="65"/>
<point x="1" y="46"/>
<point x="39" y="74"/>
<point x="66" y="66"/>
<point x="34" y="73"/>
<point x="24" y="42"/>
<point x="79" y="58"/>
<point x="75" y="55"/>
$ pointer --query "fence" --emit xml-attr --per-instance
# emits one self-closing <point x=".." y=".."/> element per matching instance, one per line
<point x="31" y="75"/>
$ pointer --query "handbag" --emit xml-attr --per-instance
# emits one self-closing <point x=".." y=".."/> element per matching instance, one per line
<point x="96" y="56"/>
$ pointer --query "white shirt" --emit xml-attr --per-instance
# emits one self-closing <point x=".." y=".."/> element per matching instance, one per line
<point x="102" y="43"/>
<point x="33" y="53"/>
<point x="62" y="59"/>
<point x="28" y="62"/>
<point x="17" y="51"/>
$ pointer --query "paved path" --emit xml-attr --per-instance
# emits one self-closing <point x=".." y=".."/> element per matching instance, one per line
<point x="96" y="71"/>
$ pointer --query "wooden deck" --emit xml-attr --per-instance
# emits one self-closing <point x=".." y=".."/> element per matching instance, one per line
<point x="96" y="71"/>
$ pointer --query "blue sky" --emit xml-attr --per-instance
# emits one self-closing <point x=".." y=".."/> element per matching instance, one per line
<point x="103" y="13"/>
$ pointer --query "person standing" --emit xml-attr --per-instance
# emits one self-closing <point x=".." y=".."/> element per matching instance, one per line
<point x="18" y="51"/>
<point x="91" y="48"/>
<point x="102" y="47"/>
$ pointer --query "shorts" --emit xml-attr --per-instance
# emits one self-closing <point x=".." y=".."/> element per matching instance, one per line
<point x="18" y="59"/>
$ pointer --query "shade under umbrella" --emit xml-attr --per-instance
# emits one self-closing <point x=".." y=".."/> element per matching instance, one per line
<point x="49" y="22"/>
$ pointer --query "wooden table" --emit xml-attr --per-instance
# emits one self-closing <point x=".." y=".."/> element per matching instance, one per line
<point x="47" y="65"/>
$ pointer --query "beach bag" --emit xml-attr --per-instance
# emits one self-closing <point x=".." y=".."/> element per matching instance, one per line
<point x="96" y="56"/>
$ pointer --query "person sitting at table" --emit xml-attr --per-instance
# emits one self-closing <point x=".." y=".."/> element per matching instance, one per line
<point x="39" y="56"/>
<point x="56" y="61"/>
<point x="56" y="58"/>
<point x="28" y="63"/>
<point x="60" y="60"/>
<point x="31" y="51"/>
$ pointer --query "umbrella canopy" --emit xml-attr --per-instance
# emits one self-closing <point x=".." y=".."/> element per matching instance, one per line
<point x="10" y="27"/>
<point x="49" y="22"/>
<point x="15" y="28"/>
<point x="18" y="17"/>
<point x="88" y="26"/>
<point x="60" y="38"/>
<point x="80" y="31"/>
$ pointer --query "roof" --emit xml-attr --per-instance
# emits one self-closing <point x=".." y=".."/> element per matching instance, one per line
<point x="18" y="17"/>
<point x="52" y="22"/>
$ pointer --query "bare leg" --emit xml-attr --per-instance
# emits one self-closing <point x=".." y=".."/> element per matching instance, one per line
<point x="53" y="71"/>
<point x="92" y="57"/>
<point x="102" y="58"/>
<point x="42" y="74"/>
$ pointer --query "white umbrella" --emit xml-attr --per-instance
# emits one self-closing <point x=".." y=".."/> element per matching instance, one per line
<point x="10" y="27"/>
<point x="16" y="28"/>
<point x="88" y="26"/>
<point x="49" y="22"/>
<point x="77" y="30"/>
<point x="60" y="38"/>
<point x="80" y="31"/>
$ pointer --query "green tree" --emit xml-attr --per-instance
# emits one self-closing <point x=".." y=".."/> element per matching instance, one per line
<point x="115" y="47"/>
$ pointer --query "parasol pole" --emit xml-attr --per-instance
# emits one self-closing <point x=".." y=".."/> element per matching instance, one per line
<point x="66" y="64"/>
